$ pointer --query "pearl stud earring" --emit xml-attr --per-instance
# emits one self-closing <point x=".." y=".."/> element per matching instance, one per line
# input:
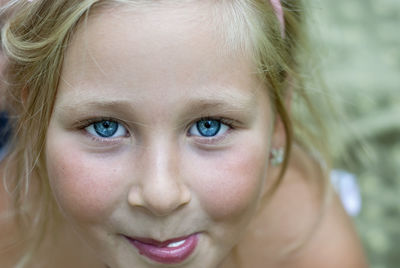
<point x="277" y="156"/>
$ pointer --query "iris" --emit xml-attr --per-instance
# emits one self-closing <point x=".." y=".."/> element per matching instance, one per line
<point x="106" y="128"/>
<point x="208" y="127"/>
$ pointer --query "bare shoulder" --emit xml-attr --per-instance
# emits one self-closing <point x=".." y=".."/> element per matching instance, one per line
<point x="334" y="243"/>
<point x="294" y="229"/>
<point x="333" y="240"/>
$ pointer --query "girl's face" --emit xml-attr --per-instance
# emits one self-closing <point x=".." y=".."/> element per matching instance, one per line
<point x="158" y="145"/>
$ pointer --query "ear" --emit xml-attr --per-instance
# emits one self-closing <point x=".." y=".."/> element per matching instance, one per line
<point x="279" y="133"/>
<point x="278" y="143"/>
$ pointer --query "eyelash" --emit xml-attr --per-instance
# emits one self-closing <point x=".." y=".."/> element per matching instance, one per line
<point x="223" y="120"/>
<point x="208" y="140"/>
<point x="213" y="139"/>
<point x="87" y="122"/>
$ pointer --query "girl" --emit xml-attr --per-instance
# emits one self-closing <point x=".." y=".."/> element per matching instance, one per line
<point x="158" y="134"/>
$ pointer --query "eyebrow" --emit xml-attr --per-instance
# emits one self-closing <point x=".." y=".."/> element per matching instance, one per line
<point x="199" y="105"/>
<point x="217" y="103"/>
<point x="102" y="104"/>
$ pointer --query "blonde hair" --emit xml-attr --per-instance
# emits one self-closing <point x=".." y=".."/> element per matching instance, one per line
<point x="35" y="39"/>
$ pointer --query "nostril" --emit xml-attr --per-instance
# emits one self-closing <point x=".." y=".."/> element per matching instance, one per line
<point x="160" y="201"/>
<point x="135" y="198"/>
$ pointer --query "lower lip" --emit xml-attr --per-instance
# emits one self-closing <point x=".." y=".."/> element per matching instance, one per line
<point x="167" y="255"/>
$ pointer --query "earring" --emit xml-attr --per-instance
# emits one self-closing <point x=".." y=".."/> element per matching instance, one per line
<point x="277" y="156"/>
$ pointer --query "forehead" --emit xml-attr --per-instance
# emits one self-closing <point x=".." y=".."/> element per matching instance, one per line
<point x="154" y="48"/>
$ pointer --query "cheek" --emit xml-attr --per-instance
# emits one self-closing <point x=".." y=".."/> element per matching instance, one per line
<point x="84" y="187"/>
<point x="230" y="184"/>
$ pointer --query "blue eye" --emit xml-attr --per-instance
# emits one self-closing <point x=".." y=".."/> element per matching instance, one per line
<point x="208" y="128"/>
<point x="106" y="129"/>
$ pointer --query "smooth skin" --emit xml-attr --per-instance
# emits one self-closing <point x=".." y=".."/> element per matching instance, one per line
<point x="157" y="73"/>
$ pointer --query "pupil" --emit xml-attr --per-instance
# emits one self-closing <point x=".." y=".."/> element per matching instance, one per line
<point x="106" y="128"/>
<point x="208" y="128"/>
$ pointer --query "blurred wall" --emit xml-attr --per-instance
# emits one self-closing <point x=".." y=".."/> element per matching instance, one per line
<point x="361" y="64"/>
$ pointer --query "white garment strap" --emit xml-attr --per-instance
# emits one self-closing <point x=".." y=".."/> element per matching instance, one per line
<point x="347" y="188"/>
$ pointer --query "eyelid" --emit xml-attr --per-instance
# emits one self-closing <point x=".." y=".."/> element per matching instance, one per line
<point x="229" y="122"/>
<point x="213" y="140"/>
<point x="83" y="124"/>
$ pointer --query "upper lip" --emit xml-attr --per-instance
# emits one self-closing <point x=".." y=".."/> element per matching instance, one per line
<point x="158" y="243"/>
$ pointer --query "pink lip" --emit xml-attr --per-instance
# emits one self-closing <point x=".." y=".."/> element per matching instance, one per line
<point x="158" y="251"/>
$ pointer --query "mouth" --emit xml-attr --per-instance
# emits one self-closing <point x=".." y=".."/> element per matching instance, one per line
<point x="171" y="251"/>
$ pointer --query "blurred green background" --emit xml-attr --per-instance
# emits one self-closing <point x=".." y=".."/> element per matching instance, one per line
<point x="360" y="54"/>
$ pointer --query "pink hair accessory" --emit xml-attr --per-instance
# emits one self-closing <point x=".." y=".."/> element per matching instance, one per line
<point x="276" y="4"/>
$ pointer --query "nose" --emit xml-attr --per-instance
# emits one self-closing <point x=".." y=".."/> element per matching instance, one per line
<point x="161" y="188"/>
